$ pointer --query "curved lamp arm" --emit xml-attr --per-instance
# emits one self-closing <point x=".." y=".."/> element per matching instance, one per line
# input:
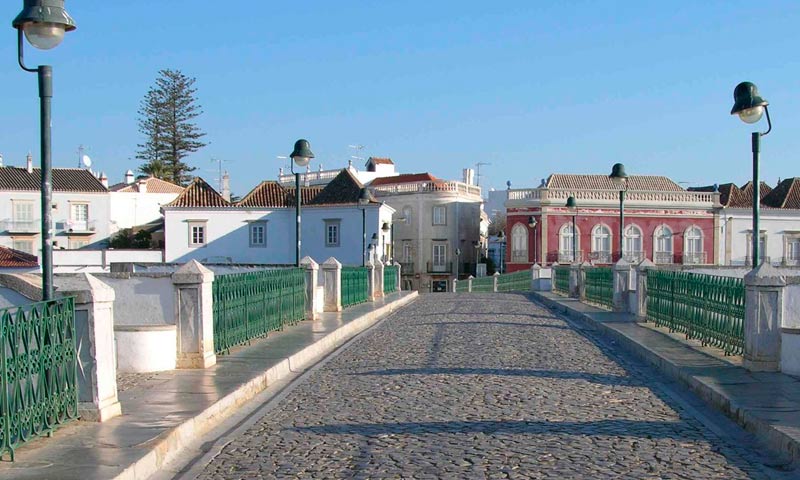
<point x="20" y="56"/>
<point x="769" y="122"/>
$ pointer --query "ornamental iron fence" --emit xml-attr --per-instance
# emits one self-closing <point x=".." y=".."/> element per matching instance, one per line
<point x="483" y="284"/>
<point x="561" y="280"/>
<point x="708" y="308"/>
<point x="250" y="305"/>
<point x="38" y="371"/>
<point x="355" y="286"/>
<point x="514" y="282"/>
<point x="600" y="286"/>
<point x="389" y="278"/>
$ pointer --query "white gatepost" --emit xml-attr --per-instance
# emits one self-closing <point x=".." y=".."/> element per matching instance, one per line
<point x="763" y="316"/>
<point x="455" y="285"/>
<point x="378" y="272"/>
<point x="94" y="338"/>
<point x="332" y="275"/>
<point x="194" y="316"/>
<point x="313" y="300"/>
<point x="494" y="281"/>
<point x="790" y="329"/>
<point x="574" y="281"/>
<point x="469" y="283"/>
<point x="638" y="297"/>
<point x="621" y="278"/>
<point x="536" y="274"/>
<point x="399" y="284"/>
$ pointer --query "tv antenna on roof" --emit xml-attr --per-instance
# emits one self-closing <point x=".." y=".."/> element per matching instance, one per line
<point x="478" y="172"/>
<point x="220" y="173"/>
<point x="357" y="149"/>
<point x="83" y="160"/>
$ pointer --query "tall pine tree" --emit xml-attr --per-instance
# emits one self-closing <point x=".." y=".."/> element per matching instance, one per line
<point x="166" y="116"/>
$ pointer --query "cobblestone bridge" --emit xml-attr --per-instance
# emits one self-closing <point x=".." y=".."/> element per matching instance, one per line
<point x="485" y="386"/>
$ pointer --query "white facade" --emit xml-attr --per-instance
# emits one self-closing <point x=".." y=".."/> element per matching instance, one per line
<point x="130" y="209"/>
<point x="780" y="236"/>
<point x="229" y="233"/>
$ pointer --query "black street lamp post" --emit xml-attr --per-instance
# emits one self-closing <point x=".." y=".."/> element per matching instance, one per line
<point x="532" y="224"/>
<point x="363" y="201"/>
<point x="44" y="22"/>
<point x="619" y="176"/>
<point x="458" y="254"/>
<point x="572" y="204"/>
<point x="501" y="238"/>
<point x="750" y="107"/>
<point x="301" y="156"/>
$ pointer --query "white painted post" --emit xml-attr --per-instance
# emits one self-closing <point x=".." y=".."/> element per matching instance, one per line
<point x="378" y="272"/>
<point x="94" y="337"/>
<point x="582" y="279"/>
<point x="371" y="287"/>
<point x="638" y="300"/>
<point x="790" y="329"/>
<point x="536" y="273"/>
<point x="469" y="283"/>
<point x="399" y="283"/>
<point x="494" y="281"/>
<point x="574" y="274"/>
<point x="621" y="278"/>
<point x="312" y="275"/>
<point x="194" y="316"/>
<point x="455" y="285"/>
<point x="764" y="294"/>
<point x="332" y="273"/>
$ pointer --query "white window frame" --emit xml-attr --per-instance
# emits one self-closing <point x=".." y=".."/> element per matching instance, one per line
<point x="565" y="244"/>
<point x="253" y="227"/>
<point x="29" y="248"/>
<point x="519" y="243"/>
<point x="333" y="225"/>
<point x="633" y="235"/>
<point x="439" y="215"/>
<point x="75" y="243"/>
<point x="29" y="204"/>
<point x="202" y="226"/>
<point x="791" y="248"/>
<point x="439" y="256"/>
<point x="599" y="237"/>
<point x="663" y="233"/>
<point x="408" y="255"/>
<point x="689" y="239"/>
<point x="762" y="246"/>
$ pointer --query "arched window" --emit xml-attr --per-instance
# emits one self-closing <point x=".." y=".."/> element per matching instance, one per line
<point x="632" y="245"/>
<point x="566" y="244"/>
<point x="601" y="244"/>
<point x="693" y="246"/>
<point x="519" y="243"/>
<point x="407" y="215"/>
<point x="662" y="245"/>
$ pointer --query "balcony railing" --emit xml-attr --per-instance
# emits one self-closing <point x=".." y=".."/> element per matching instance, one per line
<point x="791" y="261"/>
<point x="664" y="258"/>
<point x="87" y="227"/>
<point x="568" y="256"/>
<point x="407" y="268"/>
<point x="22" y="226"/>
<point x="447" y="267"/>
<point x="426" y="187"/>
<point x="559" y="196"/>
<point x="600" y="257"/>
<point x="313" y="178"/>
<point x="633" y="257"/>
<point x="694" y="258"/>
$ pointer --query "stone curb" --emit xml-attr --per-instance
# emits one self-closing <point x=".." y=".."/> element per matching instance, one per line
<point x="172" y="442"/>
<point x="782" y="439"/>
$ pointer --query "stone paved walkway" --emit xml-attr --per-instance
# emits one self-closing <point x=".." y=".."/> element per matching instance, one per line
<point x="481" y="386"/>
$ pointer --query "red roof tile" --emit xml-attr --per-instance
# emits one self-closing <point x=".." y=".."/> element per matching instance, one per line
<point x="10" y="258"/>
<point x="266" y="194"/>
<point x="602" y="182"/>
<point x="404" y="178"/>
<point x="199" y="194"/>
<point x="381" y="161"/>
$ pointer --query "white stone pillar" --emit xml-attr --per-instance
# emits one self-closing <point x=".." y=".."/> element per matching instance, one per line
<point x="332" y="274"/>
<point x="194" y="316"/>
<point x="536" y="273"/>
<point x="312" y="300"/>
<point x="371" y="286"/>
<point x="494" y="281"/>
<point x="790" y="329"/>
<point x="574" y="280"/>
<point x="469" y="283"/>
<point x="764" y="289"/>
<point x="378" y="272"/>
<point x="621" y="278"/>
<point x="638" y="298"/>
<point x="399" y="284"/>
<point x="455" y="285"/>
<point x="94" y="338"/>
<point x="582" y="279"/>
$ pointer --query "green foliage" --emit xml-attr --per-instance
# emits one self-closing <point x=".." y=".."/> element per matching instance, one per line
<point x="490" y="266"/>
<point x="143" y="240"/>
<point x="166" y="120"/>
<point x="126" y="239"/>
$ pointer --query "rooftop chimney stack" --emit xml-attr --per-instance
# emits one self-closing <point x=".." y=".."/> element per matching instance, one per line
<point x="29" y="163"/>
<point x="469" y="176"/>
<point x="104" y="179"/>
<point x="226" y="186"/>
<point x="1" y="160"/>
<point x="129" y="177"/>
<point x="142" y="185"/>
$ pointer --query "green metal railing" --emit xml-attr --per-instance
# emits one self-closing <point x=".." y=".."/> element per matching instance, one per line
<point x="462" y="286"/>
<point x="600" y="286"/>
<point x="38" y="371"/>
<point x="355" y="285"/>
<point x="514" y="282"/>
<point x="483" y="284"/>
<point x="708" y="308"/>
<point x="561" y="280"/>
<point x="389" y="279"/>
<point x="250" y="305"/>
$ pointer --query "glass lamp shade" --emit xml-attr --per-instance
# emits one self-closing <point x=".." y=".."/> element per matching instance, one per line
<point x="531" y="222"/>
<point x="301" y="161"/>
<point x="44" y="36"/>
<point x="363" y="197"/>
<point x="302" y="153"/>
<point x="751" y="115"/>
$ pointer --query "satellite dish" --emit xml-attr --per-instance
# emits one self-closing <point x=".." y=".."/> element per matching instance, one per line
<point x="86" y="161"/>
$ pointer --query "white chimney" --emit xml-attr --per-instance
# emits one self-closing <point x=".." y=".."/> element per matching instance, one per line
<point x="128" y="177"/>
<point x="469" y="176"/>
<point x="142" y="185"/>
<point x="226" y="186"/>
<point x="1" y="162"/>
<point x="104" y="179"/>
<point x="29" y="164"/>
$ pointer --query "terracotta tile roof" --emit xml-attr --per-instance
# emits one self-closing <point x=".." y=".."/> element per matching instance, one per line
<point x="266" y="194"/>
<point x="154" y="185"/>
<point x="10" y="258"/>
<point x="404" y="178"/>
<point x="345" y="188"/>
<point x="64" y="180"/>
<point x="732" y="196"/>
<point x="381" y="161"/>
<point x="308" y="193"/>
<point x="602" y="182"/>
<point x="785" y="195"/>
<point x="199" y="194"/>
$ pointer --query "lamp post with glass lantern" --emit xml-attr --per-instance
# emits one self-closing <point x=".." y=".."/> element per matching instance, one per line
<point x="572" y="204"/>
<point x="363" y="201"/>
<point x="501" y="237"/>
<point x="301" y="156"/>
<point x="532" y="224"/>
<point x="44" y="22"/>
<point x="619" y="177"/>
<point x="750" y="107"/>
<point x="458" y="254"/>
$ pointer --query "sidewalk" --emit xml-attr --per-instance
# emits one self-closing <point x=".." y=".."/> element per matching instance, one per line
<point x="766" y="404"/>
<point x="162" y="412"/>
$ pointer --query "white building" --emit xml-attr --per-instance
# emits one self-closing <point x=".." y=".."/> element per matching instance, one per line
<point x="135" y="202"/>
<point x="779" y="222"/>
<point x="80" y="209"/>
<point x="375" y="167"/>
<point x="200" y="224"/>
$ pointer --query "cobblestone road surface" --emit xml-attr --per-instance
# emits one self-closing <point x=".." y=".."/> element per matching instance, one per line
<point x="480" y="386"/>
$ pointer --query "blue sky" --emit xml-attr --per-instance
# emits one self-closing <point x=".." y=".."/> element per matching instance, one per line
<point x="531" y="87"/>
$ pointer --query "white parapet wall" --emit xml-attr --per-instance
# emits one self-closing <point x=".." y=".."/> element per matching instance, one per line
<point x="94" y="261"/>
<point x="790" y="329"/>
<point x="145" y="348"/>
